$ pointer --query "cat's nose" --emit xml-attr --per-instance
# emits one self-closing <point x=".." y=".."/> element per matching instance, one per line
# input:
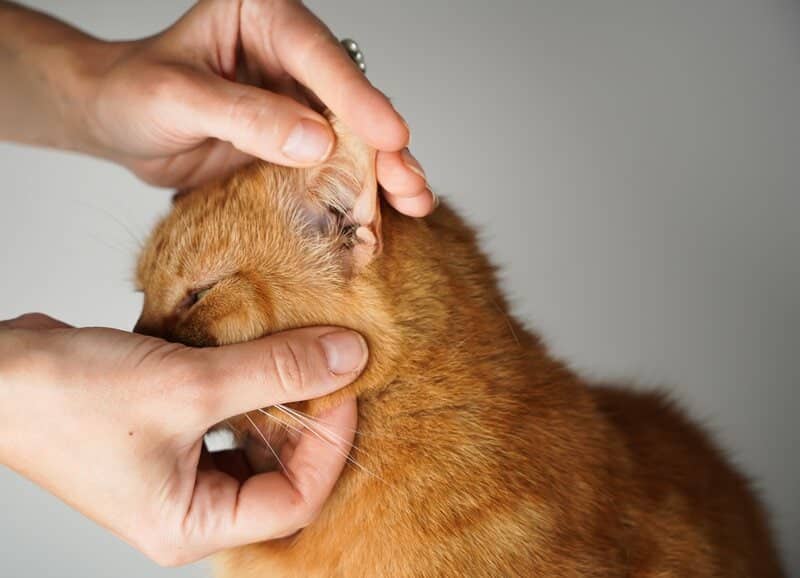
<point x="142" y="327"/>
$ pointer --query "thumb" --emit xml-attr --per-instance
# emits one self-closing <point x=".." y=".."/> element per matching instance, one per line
<point x="263" y="124"/>
<point x="291" y="366"/>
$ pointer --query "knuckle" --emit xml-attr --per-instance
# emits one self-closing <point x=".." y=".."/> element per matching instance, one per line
<point x="307" y="516"/>
<point x="32" y="321"/>
<point x="287" y="369"/>
<point x="152" y="545"/>
<point x="163" y="82"/>
<point x="252" y="119"/>
<point x="167" y="557"/>
<point x="310" y="483"/>
<point x="190" y="383"/>
<point x="201" y="403"/>
<point x="34" y="318"/>
<point x="304" y="512"/>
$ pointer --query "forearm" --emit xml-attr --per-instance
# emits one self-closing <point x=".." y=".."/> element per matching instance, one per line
<point x="46" y="70"/>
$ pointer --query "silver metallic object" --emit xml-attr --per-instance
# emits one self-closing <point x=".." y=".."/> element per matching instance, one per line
<point x="355" y="53"/>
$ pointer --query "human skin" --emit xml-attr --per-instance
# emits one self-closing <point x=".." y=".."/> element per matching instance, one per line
<point x="120" y="417"/>
<point x="113" y="424"/>
<point x="168" y="106"/>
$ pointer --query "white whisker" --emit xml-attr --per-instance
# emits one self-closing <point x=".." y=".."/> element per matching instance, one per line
<point x="233" y="427"/>
<point x="361" y="433"/>
<point x="281" y="422"/>
<point x="318" y="424"/>
<point x="509" y="324"/>
<point x="268" y="445"/>
<point x="308" y="425"/>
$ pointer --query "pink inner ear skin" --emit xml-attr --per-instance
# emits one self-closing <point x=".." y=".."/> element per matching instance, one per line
<point x="366" y="211"/>
<point x="347" y="184"/>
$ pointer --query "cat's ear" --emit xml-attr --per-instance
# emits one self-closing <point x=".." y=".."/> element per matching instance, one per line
<point x="342" y="194"/>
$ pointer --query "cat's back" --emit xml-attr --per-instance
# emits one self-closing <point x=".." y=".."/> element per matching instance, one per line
<point x="692" y="510"/>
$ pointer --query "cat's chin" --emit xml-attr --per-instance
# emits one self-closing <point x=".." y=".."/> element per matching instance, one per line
<point x="264" y="447"/>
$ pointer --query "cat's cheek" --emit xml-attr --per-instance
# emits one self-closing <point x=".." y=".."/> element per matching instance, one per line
<point x="237" y="327"/>
<point x="195" y="329"/>
<point x="221" y="322"/>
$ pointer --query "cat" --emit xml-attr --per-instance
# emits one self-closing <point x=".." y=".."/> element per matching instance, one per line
<point x="479" y="453"/>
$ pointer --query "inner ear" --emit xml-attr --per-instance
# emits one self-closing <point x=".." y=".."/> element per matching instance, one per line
<point x="342" y="197"/>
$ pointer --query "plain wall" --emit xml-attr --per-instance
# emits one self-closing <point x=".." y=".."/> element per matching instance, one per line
<point x="634" y="166"/>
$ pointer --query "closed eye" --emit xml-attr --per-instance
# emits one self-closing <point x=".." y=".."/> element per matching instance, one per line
<point x="193" y="297"/>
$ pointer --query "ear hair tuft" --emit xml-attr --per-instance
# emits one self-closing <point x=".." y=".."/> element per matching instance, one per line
<point x="343" y="197"/>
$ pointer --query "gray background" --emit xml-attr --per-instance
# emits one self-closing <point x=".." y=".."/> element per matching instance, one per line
<point x="634" y="166"/>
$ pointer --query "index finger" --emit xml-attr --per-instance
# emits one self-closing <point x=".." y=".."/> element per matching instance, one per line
<point x="309" y="52"/>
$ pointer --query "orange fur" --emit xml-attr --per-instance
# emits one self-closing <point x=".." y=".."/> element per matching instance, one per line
<point x="487" y="456"/>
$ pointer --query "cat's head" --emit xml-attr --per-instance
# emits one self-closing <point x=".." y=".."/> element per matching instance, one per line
<point x="273" y="248"/>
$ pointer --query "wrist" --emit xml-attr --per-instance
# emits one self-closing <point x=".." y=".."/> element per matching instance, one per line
<point x="75" y="86"/>
<point x="50" y="71"/>
<point x="11" y="361"/>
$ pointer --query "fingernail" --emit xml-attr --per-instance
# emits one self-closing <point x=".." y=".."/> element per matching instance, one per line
<point x="346" y="351"/>
<point x="412" y="163"/>
<point x="435" y="199"/>
<point x="309" y="141"/>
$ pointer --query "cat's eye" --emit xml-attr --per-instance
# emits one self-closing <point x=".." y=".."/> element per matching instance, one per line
<point x="193" y="297"/>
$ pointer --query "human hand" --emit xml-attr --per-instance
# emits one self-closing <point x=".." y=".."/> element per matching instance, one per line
<point x="170" y="108"/>
<point x="113" y="423"/>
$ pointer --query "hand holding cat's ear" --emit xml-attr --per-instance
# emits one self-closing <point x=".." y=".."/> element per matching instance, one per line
<point x="230" y="82"/>
<point x="227" y="83"/>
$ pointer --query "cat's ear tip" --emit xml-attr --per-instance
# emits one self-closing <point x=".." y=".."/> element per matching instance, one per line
<point x="347" y="183"/>
<point x="368" y="237"/>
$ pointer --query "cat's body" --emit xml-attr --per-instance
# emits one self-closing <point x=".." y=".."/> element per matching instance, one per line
<point x="480" y="454"/>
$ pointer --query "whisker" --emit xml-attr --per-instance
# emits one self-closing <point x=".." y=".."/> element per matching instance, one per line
<point x="268" y="445"/>
<point x="125" y="227"/>
<point x="233" y="427"/>
<point x="315" y="432"/>
<point x="362" y="433"/>
<point x="508" y="322"/>
<point x="283" y="423"/>
<point x="105" y="243"/>
<point x="302" y="431"/>
<point x="336" y="448"/>
<point x="319" y="425"/>
<point x="293" y="428"/>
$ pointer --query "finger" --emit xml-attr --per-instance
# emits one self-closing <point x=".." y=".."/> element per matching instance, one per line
<point x="260" y="123"/>
<point x="308" y="51"/>
<point x="211" y="160"/>
<point x="400" y="173"/>
<point x="418" y="206"/>
<point x="276" y="504"/>
<point x="290" y="366"/>
<point x="34" y="321"/>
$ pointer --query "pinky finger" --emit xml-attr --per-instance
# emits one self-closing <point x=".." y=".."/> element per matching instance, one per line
<point x="420" y="205"/>
<point x="400" y="173"/>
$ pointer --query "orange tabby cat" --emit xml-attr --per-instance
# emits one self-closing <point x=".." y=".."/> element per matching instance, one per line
<point x="480" y="454"/>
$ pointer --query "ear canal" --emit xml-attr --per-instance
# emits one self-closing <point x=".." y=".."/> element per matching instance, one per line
<point x="343" y="192"/>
